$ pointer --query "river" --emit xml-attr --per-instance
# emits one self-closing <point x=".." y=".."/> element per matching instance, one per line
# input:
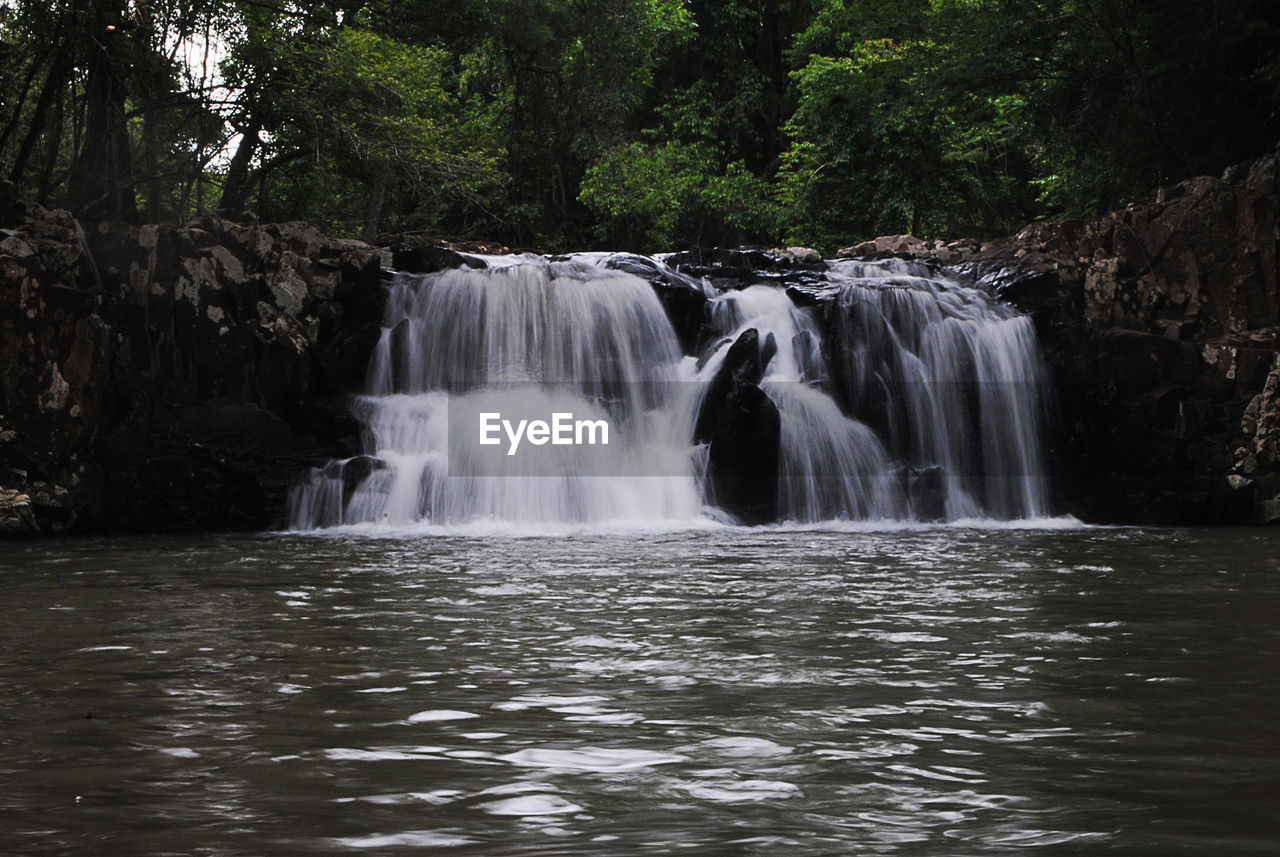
<point x="914" y="690"/>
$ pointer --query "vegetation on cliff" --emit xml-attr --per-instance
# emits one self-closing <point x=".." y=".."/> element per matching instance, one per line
<point x="642" y="123"/>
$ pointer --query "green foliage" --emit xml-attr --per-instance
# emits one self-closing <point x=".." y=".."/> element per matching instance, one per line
<point x="373" y="108"/>
<point x="653" y="197"/>
<point x="641" y="123"/>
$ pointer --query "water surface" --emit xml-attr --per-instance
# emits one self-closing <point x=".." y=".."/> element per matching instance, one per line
<point x="926" y="691"/>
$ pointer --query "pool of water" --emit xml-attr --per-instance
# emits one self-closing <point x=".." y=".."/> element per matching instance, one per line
<point x="918" y="691"/>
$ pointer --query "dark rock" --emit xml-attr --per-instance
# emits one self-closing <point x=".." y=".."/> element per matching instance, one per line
<point x="175" y="377"/>
<point x="731" y="269"/>
<point x="927" y="492"/>
<point x="742" y="367"/>
<point x="682" y="299"/>
<point x="743" y="427"/>
<point x="743" y="460"/>
<point x="356" y="470"/>
<point x="17" y="517"/>
<point x="427" y="259"/>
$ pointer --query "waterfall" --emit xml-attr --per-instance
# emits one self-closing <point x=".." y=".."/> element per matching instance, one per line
<point x="527" y="339"/>
<point x="950" y="378"/>
<point x="536" y="391"/>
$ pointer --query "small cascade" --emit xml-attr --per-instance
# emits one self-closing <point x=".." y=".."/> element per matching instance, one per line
<point x="950" y="378"/>
<point x="924" y="400"/>
<point x="830" y="466"/>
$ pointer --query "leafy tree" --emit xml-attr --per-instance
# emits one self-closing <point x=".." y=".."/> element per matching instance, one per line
<point x="923" y="130"/>
<point x="1136" y="94"/>
<point x="555" y="123"/>
<point x="371" y="109"/>
<point x="655" y="196"/>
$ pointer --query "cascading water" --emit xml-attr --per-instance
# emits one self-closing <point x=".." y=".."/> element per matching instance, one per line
<point x="830" y="466"/>
<point x="950" y="378"/>
<point x="926" y="401"/>
<point x="522" y="337"/>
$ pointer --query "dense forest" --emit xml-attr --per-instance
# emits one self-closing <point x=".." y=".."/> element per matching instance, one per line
<point x="642" y="124"/>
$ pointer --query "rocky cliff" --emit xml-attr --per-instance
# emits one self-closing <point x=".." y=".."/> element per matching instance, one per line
<point x="172" y="377"/>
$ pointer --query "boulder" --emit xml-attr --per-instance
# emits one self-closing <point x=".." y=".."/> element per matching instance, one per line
<point x="16" y="514"/>
<point x="743" y="427"/>
<point x="743" y="462"/>
<point x="742" y="367"/>
<point x="927" y="492"/>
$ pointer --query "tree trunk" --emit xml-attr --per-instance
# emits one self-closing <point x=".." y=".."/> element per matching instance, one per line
<point x="59" y="70"/>
<point x="373" y="210"/>
<point x="151" y="155"/>
<point x="235" y="188"/>
<point x="53" y="145"/>
<point x="102" y="176"/>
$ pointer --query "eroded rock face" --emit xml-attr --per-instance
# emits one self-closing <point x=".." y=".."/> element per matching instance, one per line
<point x="166" y="377"/>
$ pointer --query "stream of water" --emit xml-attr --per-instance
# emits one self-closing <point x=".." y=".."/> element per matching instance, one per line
<point x="912" y="690"/>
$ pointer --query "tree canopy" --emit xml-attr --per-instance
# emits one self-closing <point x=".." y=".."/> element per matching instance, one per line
<point x="644" y="124"/>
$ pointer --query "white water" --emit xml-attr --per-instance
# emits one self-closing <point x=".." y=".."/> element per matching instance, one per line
<point x="952" y="378"/>
<point x="933" y="377"/>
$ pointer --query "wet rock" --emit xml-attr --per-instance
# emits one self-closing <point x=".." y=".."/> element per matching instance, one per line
<point x="743" y="460"/>
<point x="927" y="492"/>
<point x="682" y="297"/>
<point x="356" y="470"/>
<point x="429" y="258"/>
<point x="743" y="366"/>
<point x="743" y="427"/>
<point x="737" y="268"/>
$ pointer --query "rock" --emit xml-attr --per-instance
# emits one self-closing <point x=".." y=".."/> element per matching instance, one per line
<point x="886" y="246"/>
<point x="682" y="297"/>
<point x="1271" y="511"/>
<point x="743" y="461"/>
<point x="743" y="428"/>
<point x="737" y="268"/>
<point x="742" y="367"/>
<point x="174" y="377"/>
<point x="356" y="470"/>
<point x="16" y="514"/>
<point x="802" y="255"/>
<point x="426" y="259"/>
<point x="1261" y="422"/>
<point x="927" y="491"/>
